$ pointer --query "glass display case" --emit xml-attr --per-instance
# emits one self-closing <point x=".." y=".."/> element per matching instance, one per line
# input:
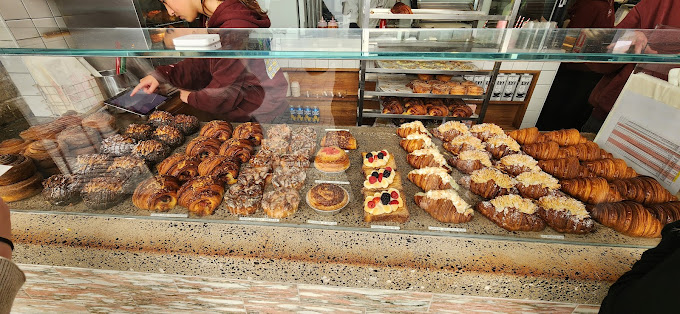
<point x="71" y="126"/>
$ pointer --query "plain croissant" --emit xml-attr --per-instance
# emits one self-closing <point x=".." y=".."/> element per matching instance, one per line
<point x="629" y="218"/>
<point x="564" y="168"/>
<point x="610" y="168"/>
<point x="643" y="190"/>
<point x="585" y="151"/>
<point x="543" y="150"/>
<point x="565" y="137"/>
<point x="591" y="190"/>
<point x="666" y="212"/>
<point x="526" y="136"/>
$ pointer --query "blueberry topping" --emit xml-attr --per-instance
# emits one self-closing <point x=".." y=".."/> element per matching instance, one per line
<point x="386" y="174"/>
<point x="385" y="198"/>
<point x="374" y="174"/>
<point x="369" y="155"/>
<point x="381" y="155"/>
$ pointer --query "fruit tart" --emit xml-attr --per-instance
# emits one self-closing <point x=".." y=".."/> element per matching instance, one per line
<point x="331" y="159"/>
<point x="381" y="178"/>
<point x="377" y="159"/>
<point x="385" y="205"/>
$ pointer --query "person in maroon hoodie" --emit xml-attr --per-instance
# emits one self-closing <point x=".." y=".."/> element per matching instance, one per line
<point x="647" y="14"/>
<point x="237" y="90"/>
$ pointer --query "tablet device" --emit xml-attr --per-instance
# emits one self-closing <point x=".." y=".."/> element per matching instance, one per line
<point x="141" y="103"/>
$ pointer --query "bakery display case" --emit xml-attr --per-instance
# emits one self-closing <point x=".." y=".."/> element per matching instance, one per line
<point x="451" y="180"/>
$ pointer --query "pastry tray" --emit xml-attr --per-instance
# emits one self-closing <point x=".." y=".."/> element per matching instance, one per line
<point x="426" y="66"/>
<point x="395" y="85"/>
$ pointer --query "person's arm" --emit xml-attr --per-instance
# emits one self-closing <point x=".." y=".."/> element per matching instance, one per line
<point x="189" y="74"/>
<point x="224" y="91"/>
<point x="5" y="230"/>
<point x="11" y="277"/>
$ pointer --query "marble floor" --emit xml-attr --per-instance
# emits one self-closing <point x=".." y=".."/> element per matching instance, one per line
<point x="51" y="289"/>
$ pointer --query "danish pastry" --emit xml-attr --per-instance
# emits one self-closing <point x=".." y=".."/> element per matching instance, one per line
<point x="220" y="167"/>
<point x="280" y="203"/>
<point x="180" y="166"/>
<point x="201" y="195"/>
<point x="186" y="123"/>
<point x="512" y="213"/>
<point x="160" y="117"/>
<point x="203" y="147"/>
<point x="489" y="183"/>
<point x="221" y="130"/>
<point x="342" y="139"/>
<point x="249" y="131"/>
<point x="331" y="159"/>
<point x="151" y="150"/>
<point x="444" y="206"/>
<point x="157" y="193"/>
<point x="565" y="214"/>
<point x="168" y="135"/>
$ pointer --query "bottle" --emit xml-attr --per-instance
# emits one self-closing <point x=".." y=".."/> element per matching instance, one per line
<point x="322" y="24"/>
<point x="316" y="115"/>
<point x="382" y="24"/>
<point x="293" y="114"/>
<point x="332" y="23"/>
<point x="300" y="114"/>
<point x="308" y="114"/>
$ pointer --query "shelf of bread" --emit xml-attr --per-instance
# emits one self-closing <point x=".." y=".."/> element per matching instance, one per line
<point x="285" y="175"/>
<point x="374" y="113"/>
<point x="426" y="86"/>
<point x="425" y="67"/>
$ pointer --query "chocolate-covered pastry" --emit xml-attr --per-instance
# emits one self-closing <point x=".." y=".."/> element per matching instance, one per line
<point x="168" y="135"/>
<point x="139" y="132"/>
<point x="218" y="129"/>
<point x="187" y="124"/>
<point x="152" y="151"/>
<point x="237" y="149"/>
<point x="160" y="117"/>
<point x="201" y="195"/>
<point x="118" y="145"/>
<point x="92" y="165"/>
<point x="61" y="189"/>
<point x="102" y="192"/>
<point x="131" y="170"/>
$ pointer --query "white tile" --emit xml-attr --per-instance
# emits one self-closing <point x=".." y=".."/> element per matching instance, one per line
<point x="58" y="43"/>
<point x="54" y="8"/>
<point x="334" y="64"/>
<point x="520" y="65"/>
<point x="31" y="43"/>
<point x="535" y="66"/>
<point x="14" y="64"/>
<point x="5" y="34"/>
<point x="308" y="63"/>
<point x="536" y="103"/>
<point x="8" y="44"/>
<point x="546" y="77"/>
<point x="22" y="29"/>
<point x="61" y="23"/>
<point x="25" y="84"/>
<point x="487" y="65"/>
<point x="282" y="62"/>
<point x="531" y="116"/>
<point x="479" y="64"/>
<point x="46" y="25"/>
<point x="294" y="63"/>
<point x="321" y="64"/>
<point x="13" y="10"/>
<point x="350" y="64"/>
<point x="37" y="8"/>
<point x="38" y="106"/>
<point x="506" y="66"/>
<point x="551" y="66"/>
<point x="541" y="91"/>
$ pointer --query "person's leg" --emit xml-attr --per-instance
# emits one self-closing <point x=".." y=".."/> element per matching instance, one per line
<point x="592" y="125"/>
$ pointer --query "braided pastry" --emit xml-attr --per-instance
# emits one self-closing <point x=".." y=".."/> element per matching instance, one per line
<point x="220" y="167"/>
<point x="444" y="206"/>
<point x="102" y="192"/>
<point x="201" y="195"/>
<point x="629" y="218"/>
<point x="187" y="124"/>
<point x="565" y="168"/>
<point x="460" y="111"/>
<point x="117" y="145"/>
<point x="22" y="189"/>
<point x="416" y="110"/>
<point x="643" y="189"/>
<point x="610" y="168"/>
<point x="139" y="132"/>
<point x="591" y="190"/>
<point x="61" y="189"/>
<point x="489" y="183"/>
<point x="13" y="146"/>
<point x="152" y="151"/>
<point x="202" y="147"/>
<point x="168" y="135"/>
<point x="249" y="131"/>
<point x="243" y="198"/>
<point x="416" y="141"/>
<point x="512" y="213"/>
<point x="565" y="137"/>
<point x="159" y="118"/>
<point x="527" y="136"/>
<point x="221" y="130"/>
<point x="587" y="151"/>
<point x="21" y="169"/>
<point x="237" y="149"/>
<point x="565" y="214"/>
<point x="280" y="203"/>
<point x="180" y="166"/>
<point x="544" y="150"/>
<point x="157" y="193"/>
<point x="666" y="212"/>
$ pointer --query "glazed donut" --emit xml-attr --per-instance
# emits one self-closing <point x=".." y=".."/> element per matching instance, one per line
<point x="218" y="129"/>
<point x="13" y="146"/>
<point x="157" y="193"/>
<point x="21" y="169"/>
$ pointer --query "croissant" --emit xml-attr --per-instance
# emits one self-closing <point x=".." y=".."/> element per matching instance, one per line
<point x="237" y="149"/>
<point x="426" y="158"/>
<point x="201" y="195"/>
<point x="393" y="106"/>
<point x="221" y="130"/>
<point x="610" y="169"/>
<point x="629" y="218"/>
<point x="415" y="127"/>
<point x="408" y="102"/>
<point x="591" y="190"/>
<point x="492" y="187"/>
<point x="202" y="147"/>
<point x="221" y="167"/>
<point x="643" y="190"/>
<point x="415" y="142"/>
<point x="450" y="130"/>
<point x="587" y="151"/>
<point x="417" y="110"/>
<point x="527" y="136"/>
<point x="543" y="150"/>
<point x="510" y="217"/>
<point x="565" y="214"/>
<point x="565" y="168"/>
<point x="157" y="193"/>
<point x="180" y="166"/>
<point x="444" y="206"/>
<point x="431" y="178"/>
<point x="501" y="146"/>
<point x="470" y="160"/>
<point x="438" y="111"/>
<point x="666" y="212"/>
<point x="537" y="184"/>
<point x="249" y="131"/>
<point x="565" y="137"/>
<point x="460" y="111"/>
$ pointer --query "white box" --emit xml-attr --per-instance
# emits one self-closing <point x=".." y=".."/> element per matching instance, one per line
<point x="197" y="42"/>
<point x="479" y="80"/>
<point x="498" y="89"/>
<point x="487" y="80"/>
<point x="469" y="77"/>
<point x="523" y="87"/>
<point x="510" y="86"/>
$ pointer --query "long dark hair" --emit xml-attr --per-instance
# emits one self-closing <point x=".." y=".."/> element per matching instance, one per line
<point x="250" y="4"/>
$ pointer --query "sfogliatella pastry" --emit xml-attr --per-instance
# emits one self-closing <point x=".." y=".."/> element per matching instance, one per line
<point x="518" y="163"/>
<point x="444" y="206"/>
<point x="342" y="139"/>
<point x="526" y="136"/>
<point x="416" y="141"/>
<point x="62" y="189"/>
<point x="327" y="197"/>
<point x="501" y="146"/>
<point x="201" y="195"/>
<point x="152" y="151"/>
<point x="131" y="170"/>
<point x="385" y="205"/>
<point x="378" y="159"/>
<point x="432" y="178"/>
<point x="462" y="143"/>
<point x="279" y="131"/>
<point x="415" y="127"/>
<point x="331" y="159"/>
<point x="565" y="168"/>
<point x="157" y="193"/>
<point x="102" y="192"/>
<point x="536" y="184"/>
<point x="243" y="198"/>
<point x="565" y="214"/>
<point x="13" y="146"/>
<point x="186" y="123"/>
<point x="449" y="130"/>
<point x="666" y="212"/>
<point x="645" y="190"/>
<point x="428" y="157"/>
<point x="101" y="121"/>
<point x="281" y="203"/>
<point x="565" y="137"/>
<point x="489" y="183"/>
<point x="139" y="132"/>
<point x="629" y="218"/>
<point x="202" y="147"/>
<point x="118" y="145"/>
<point x="512" y="213"/>
<point x="470" y="160"/>
<point x="610" y="168"/>
<point x="220" y="167"/>
<point x="21" y="168"/>
<point x="180" y="166"/>
<point x="221" y="130"/>
<point x="92" y="165"/>
<point x="382" y="178"/>
<point x="289" y="178"/>
<point x="485" y="131"/>
<point x="591" y="190"/>
<point x="160" y="117"/>
<point x="168" y="135"/>
<point x="249" y="131"/>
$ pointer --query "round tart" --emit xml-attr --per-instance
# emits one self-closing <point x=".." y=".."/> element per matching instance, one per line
<point x="331" y="159"/>
<point x="327" y="197"/>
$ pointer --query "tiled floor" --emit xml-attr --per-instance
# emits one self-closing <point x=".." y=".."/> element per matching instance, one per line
<point x="51" y="289"/>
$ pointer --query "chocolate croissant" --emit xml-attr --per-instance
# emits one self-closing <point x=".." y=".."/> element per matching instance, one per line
<point x="201" y="195"/>
<point x="565" y="137"/>
<point x="526" y="136"/>
<point x="417" y="110"/>
<point x="460" y="111"/>
<point x="610" y="168"/>
<point x="629" y="218"/>
<point x="438" y="111"/>
<point x="666" y="212"/>
<point x="565" y="168"/>
<point x="444" y="206"/>
<point x="237" y="149"/>
<point x="512" y="213"/>
<point x="543" y="150"/>
<point x="202" y="147"/>
<point x="180" y="166"/>
<point x="220" y="167"/>
<point x="157" y="193"/>
<point x="249" y="131"/>
<point x="591" y="190"/>
<point x="393" y="106"/>
<point x="645" y="190"/>
<point x="221" y="130"/>
<point x="585" y="151"/>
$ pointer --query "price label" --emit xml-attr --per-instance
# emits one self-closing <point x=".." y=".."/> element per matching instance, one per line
<point x="167" y="215"/>
<point x="320" y="222"/>
<point x="259" y="219"/>
<point x="385" y="227"/>
<point x="432" y="228"/>
<point x="334" y="130"/>
<point x="553" y="236"/>
<point x="331" y="182"/>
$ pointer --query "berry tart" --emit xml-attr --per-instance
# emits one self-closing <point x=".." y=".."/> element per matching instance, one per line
<point x="378" y="159"/>
<point x="382" y="178"/>
<point x="385" y="205"/>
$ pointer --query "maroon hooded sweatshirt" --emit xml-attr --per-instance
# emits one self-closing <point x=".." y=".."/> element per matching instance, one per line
<point x="592" y="14"/>
<point x="233" y="89"/>
<point x="647" y="14"/>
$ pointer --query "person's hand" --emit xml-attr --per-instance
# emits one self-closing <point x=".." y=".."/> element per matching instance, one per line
<point x="637" y="40"/>
<point x="148" y="84"/>
<point x="5" y="230"/>
<point x="184" y="95"/>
